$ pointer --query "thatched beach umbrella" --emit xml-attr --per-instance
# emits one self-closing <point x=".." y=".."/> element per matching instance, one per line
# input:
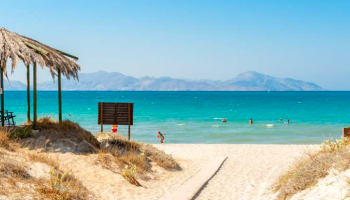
<point x="17" y="48"/>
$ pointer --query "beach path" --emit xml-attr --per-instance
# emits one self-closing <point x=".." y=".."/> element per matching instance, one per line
<point x="248" y="172"/>
<point x="195" y="183"/>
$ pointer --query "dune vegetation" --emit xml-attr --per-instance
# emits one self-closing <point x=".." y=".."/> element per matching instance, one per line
<point x="134" y="158"/>
<point x="314" y="166"/>
<point x="29" y="168"/>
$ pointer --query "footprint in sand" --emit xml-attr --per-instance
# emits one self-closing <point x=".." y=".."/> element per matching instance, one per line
<point x="260" y="190"/>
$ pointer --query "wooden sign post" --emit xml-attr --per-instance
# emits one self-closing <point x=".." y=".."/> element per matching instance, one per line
<point x="116" y="114"/>
<point x="346" y="132"/>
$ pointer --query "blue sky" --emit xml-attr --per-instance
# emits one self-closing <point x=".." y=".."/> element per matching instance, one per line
<point x="307" y="40"/>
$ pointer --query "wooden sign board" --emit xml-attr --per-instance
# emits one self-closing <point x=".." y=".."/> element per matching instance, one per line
<point x="346" y="132"/>
<point x="116" y="114"/>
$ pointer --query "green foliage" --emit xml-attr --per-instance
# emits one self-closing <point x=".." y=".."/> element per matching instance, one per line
<point x="58" y="183"/>
<point x="20" y="132"/>
<point x="4" y="140"/>
<point x="344" y="141"/>
<point x="330" y="146"/>
<point x="129" y="173"/>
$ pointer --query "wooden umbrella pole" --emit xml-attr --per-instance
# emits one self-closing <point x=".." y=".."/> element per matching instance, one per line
<point x="35" y="95"/>
<point x="101" y="117"/>
<point x="28" y="93"/>
<point x="2" y="98"/>
<point x="129" y="120"/>
<point x="59" y="97"/>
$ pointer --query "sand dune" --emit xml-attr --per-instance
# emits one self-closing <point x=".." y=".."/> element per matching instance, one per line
<point x="247" y="174"/>
<point x="108" y="185"/>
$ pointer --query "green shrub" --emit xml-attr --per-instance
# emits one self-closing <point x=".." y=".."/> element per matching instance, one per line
<point x="59" y="187"/>
<point x="330" y="146"/>
<point x="20" y="132"/>
<point x="129" y="173"/>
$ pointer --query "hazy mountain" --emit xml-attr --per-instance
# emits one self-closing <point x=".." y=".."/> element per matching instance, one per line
<point x="256" y="81"/>
<point x="14" y="85"/>
<point x="101" y="80"/>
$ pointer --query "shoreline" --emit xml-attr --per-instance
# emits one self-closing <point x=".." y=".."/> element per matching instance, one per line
<point x="196" y="117"/>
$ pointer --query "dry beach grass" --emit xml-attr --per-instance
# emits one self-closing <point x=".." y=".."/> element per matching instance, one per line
<point x="312" y="167"/>
<point x="131" y="157"/>
<point x="70" y="163"/>
<point x="56" y="163"/>
<point x="18" y="175"/>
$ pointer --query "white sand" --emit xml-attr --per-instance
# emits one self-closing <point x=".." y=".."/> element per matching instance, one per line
<point x="248" y="172"/>
<point x="335" y="186"/>
<point x="108" y="185"/>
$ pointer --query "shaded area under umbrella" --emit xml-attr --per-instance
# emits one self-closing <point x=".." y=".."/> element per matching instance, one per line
<point x="17" y="48"/>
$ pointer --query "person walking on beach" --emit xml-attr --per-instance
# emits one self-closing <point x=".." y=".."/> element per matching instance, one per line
<point x="251" y="121"/>
<point x="161" y="136"/>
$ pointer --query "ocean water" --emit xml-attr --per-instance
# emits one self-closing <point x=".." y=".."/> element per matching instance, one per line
<point x="195" y="117"/>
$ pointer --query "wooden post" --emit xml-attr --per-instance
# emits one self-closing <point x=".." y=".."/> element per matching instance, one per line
<point x="129" y="120"/>
<point x="35" y="95"/>
<point x="2" y="98"/>
<point x="101" y="117"/>
<point x="28" y="93"/>
<point x="59" y="97"/>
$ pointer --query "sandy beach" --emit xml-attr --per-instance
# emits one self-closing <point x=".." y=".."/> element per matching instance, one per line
<point x="248" y="172"/>
<point x="170" y="100"/>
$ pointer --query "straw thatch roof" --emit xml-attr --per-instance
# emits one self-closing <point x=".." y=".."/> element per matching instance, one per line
<point x="17" y="47"/>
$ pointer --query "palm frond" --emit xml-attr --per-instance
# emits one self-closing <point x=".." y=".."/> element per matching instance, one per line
<point x="16" y="47"/>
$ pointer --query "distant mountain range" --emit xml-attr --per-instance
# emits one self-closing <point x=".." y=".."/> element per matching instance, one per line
<point x="101" y="80"/>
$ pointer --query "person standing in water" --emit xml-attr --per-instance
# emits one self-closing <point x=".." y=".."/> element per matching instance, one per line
<point x="114" y="129"/>
<point x="287" y="121"/>
<point x="224" y="120"/>
<point x="251" y="121"/>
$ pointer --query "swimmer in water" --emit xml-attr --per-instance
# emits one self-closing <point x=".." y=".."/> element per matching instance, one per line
<point x="281" y="119"/>
<point x="224" y="120"/>
<point x="287" y="122"/>
<point x="251" y="121"/>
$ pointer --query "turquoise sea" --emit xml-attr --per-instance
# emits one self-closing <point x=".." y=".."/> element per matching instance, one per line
<point x="195" y="117"/>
